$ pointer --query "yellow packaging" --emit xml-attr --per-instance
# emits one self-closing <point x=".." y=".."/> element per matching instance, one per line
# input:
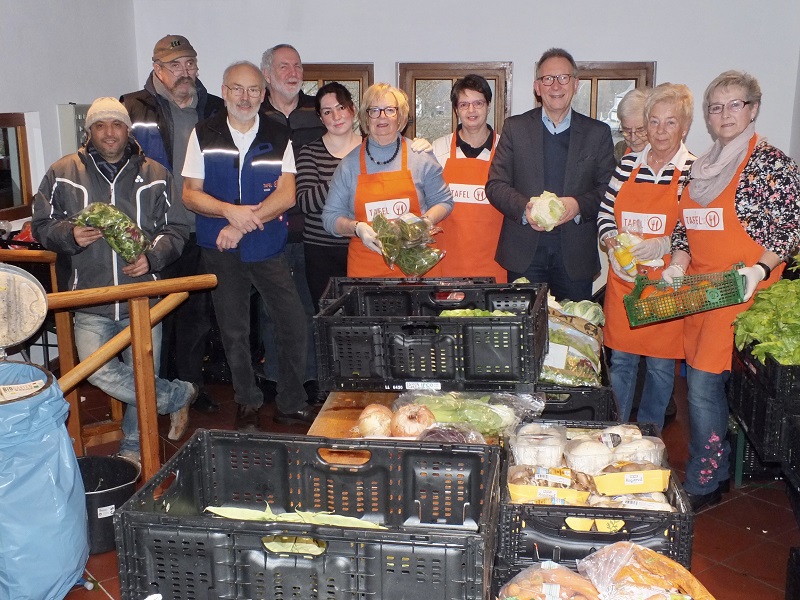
<point x="632" y="482"/>
<point x="537" y="494"/>
<point x="601" y="525"/>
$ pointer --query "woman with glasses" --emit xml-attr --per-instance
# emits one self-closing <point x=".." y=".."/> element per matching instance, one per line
<point x="630" y="112"/>
<point x="326" y="254"/>
<point x="473" y="228"/>
<point x="382" y="177"/>
<point x="741" y="206"/>
<point x="642" y="198"/>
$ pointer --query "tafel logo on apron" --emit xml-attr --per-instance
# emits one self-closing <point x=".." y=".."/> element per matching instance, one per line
<point x="391" y="208"/>
<point x="703" y="219"/>
<point x="652" y="223"/>
<point x="469" y="194"/>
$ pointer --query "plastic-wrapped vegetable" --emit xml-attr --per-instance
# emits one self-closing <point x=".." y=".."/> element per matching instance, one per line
<point x="121" y="233"/>
<point x="573" y="357"/>
<point x="405" y="243"/>
<point x="585" y="309"/>
<point x="452" y="433"/>
<point x="415" y="231"/>
<point x="389" y="236"/>
<point x="417" y="261"/>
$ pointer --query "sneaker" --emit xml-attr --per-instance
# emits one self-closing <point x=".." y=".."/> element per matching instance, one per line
<point x="179" y="420"/>
<point x="131" y="456"/>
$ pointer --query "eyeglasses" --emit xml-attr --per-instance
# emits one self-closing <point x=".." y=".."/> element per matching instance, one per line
<point x="374" y="112"/>
<point x="629" y="133"/>
<point x="178" y="68"/>
<point x="476" y="104"/>
<point x="732" y="106"/>
<point x="548" y="80"/>
<point x="237" y="90"/>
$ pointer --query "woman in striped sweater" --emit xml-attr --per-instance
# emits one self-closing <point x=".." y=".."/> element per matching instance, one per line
<point x="326" y="254"/>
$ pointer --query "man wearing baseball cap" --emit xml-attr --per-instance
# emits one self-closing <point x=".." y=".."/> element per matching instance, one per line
<point x="163" y="115"/>
<point x="110" y="168"/>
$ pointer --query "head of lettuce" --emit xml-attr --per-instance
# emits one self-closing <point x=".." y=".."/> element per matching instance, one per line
<point x="546" y="210"/>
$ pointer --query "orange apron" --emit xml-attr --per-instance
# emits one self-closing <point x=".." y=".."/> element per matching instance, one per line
<point x="471" y="231"/>
<point x="655" y="208"/>
<point x="717" y="241"/>
<point x="391" y="193"/>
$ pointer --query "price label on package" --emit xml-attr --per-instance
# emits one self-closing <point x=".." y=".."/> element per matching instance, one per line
<point x="20" y="390"/>
<point x="424" y="385"/>
<point x="634" y="478"/>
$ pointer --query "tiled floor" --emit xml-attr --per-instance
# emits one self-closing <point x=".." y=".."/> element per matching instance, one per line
<point x="741" y="546"/>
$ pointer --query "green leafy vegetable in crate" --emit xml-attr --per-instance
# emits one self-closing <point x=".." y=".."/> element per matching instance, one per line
<point x="772" y="323"/>
<point x="491" y="420"/>
<point x="573" y="358"/>
<point x="121" y="233"/>
<point x="475" y="312"/>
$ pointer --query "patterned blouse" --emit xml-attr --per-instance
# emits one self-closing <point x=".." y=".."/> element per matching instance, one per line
<point x="767" y="202"/>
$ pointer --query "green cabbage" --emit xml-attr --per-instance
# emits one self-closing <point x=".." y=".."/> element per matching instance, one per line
<point x="585" y="309"/>
<point x="547" y="210"/>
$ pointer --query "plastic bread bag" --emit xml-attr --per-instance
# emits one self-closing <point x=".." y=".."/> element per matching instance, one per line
<point x="548" y="581"/>
<point x="452" y="433"/>
<point x="627" y="571"/>
<point x="573" y="357"/>
<point x="121" y="233"/>
<point x="491" y="420"/>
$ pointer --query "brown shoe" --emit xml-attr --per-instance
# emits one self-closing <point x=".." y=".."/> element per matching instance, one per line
<point x="305" y="416"/>
<point x="179" y="420"/>
<point x="247" y="418"/>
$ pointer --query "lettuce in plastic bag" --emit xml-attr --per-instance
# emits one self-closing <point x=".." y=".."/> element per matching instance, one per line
<point x="121" y="233"/>
<point x="547" y="210"/>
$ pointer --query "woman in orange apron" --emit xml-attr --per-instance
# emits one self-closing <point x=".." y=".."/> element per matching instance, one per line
<point x="382" y="177"/>
<point x="470" y="235"/>
<point x="647" y="204"/>
<point x="741" y="206"/>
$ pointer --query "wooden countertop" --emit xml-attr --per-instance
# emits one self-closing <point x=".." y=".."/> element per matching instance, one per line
<point x="339" y="414"/>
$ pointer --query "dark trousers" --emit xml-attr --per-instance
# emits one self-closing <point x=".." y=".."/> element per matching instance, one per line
<point x="322" y="263"/>
<point x="185" y="330"/>
<point x="273" y="282"/>
<point x="548" y="267"/>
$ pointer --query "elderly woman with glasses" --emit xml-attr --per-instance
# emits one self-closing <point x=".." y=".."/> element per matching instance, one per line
<point x="381" y="176"/>
<point x="741" y="206"/>
<point x="630" y="112"/>
<point x="642" y="197"/>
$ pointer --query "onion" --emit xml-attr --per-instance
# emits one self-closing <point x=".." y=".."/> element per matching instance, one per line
<point x="411" y="420"/>
<point x="375" y="420"/>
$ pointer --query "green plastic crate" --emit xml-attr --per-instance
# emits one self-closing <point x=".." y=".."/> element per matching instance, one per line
<point x="684" y="296"/>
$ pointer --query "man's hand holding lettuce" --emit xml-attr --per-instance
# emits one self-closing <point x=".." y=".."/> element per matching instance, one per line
<point x="545" y="211"/>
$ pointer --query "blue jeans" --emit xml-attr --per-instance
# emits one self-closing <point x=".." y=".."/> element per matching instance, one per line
<point x="548" y="267"/>
<point x="658" y="382"/>
<point x="709" y="450"/>
<point x="115" y="377"/>
<point x="295" y="256"/>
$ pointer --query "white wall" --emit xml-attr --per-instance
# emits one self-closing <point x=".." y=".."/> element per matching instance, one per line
<point x="59" y="52"/>
<point x="691" y="41"/>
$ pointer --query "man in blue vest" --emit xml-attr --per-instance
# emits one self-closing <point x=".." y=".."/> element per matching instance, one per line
<point x="239" y="178"/>
<point x="163" y="115"/>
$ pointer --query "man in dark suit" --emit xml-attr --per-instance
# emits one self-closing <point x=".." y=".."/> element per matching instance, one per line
<point x="555" y="149"/>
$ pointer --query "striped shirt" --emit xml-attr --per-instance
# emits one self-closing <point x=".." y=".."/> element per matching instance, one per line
<point x="315" y="167"/>
<point x="683" y="159"/>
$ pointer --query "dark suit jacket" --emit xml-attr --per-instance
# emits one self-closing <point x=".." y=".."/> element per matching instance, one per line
<point x="517" y="173"/>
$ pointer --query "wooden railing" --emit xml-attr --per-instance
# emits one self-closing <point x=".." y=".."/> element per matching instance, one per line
<point x="138" y="335"/>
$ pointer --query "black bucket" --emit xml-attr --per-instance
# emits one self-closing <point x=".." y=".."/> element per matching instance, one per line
<point x="109" y="481"/>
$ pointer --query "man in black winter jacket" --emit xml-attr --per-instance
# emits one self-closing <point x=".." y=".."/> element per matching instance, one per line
<point x="163" y="115"/>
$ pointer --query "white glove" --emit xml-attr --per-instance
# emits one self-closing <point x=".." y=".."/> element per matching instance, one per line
<point x="671" y="272"/>
<point x="752" y="277"/>
<point x="421" y="145"/>
<point x="651" y="249"/>
<point x="368" y="237"/>
<point x="617" y="268"/>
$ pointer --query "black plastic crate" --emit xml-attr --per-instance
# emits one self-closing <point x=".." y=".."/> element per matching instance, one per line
<point x="752" y="467"/>
<point x="790" y="455"/>
<point x="338" y="286"/>
<point x="793" y="493"/>
<point x="793" y="575"/>
<point x="579" y="403"/>
<point x="782" y="382"/>
<point x="530" y="533"/>
<point x="391" y="338"/>
<point x="760" y="414"/>
<point x="439" y="504"/>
